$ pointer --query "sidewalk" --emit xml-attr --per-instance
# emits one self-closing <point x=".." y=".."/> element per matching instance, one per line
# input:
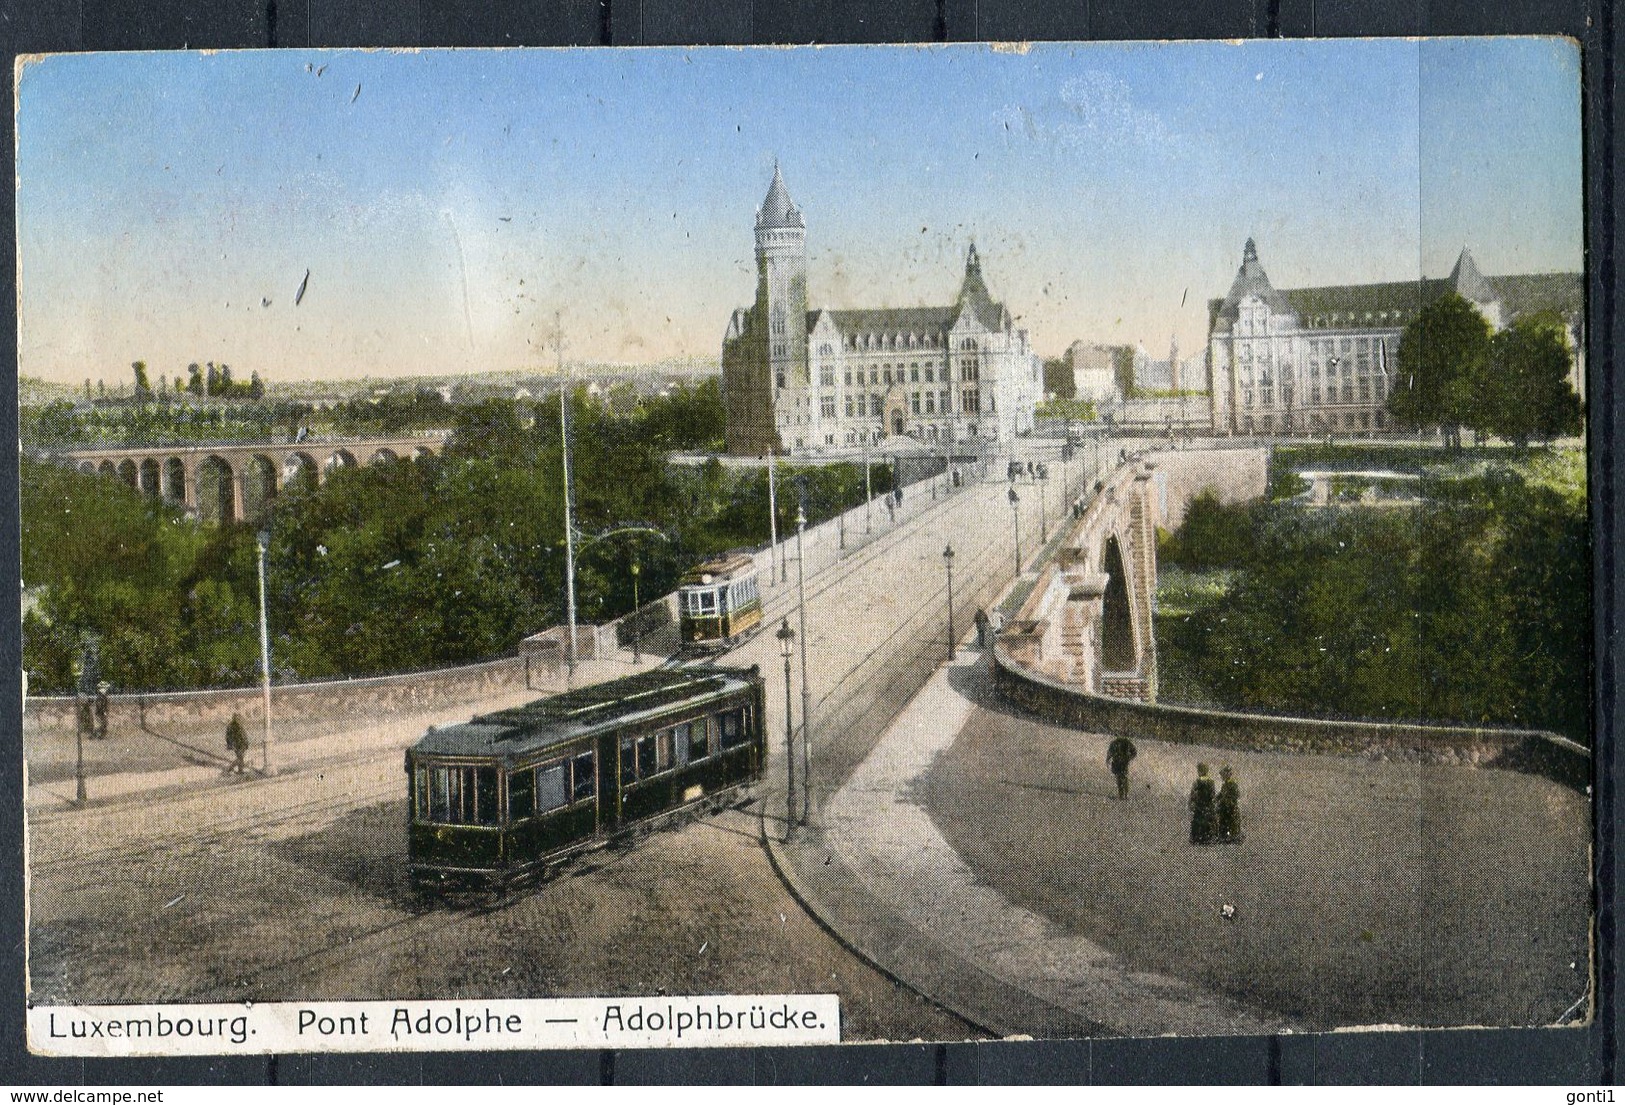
<point x="308" y="752"/>
<point x="880" y="875"/>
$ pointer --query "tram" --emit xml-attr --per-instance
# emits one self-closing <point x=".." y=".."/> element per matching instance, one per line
<point x="719" y="604"/>
<point x="509" y="794"/>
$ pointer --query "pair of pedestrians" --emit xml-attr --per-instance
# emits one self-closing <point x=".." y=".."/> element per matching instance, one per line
<point x="1215" y="816"/>
<point x="1215" y="812"/>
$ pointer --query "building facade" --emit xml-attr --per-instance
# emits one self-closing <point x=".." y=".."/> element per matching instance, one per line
<point x="1322" y="360"/>
<point x="801" y="380"/>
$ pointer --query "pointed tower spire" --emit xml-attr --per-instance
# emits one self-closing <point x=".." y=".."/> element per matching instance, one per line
<point x="778" y="210"/>
<point x="1467" y="282"/>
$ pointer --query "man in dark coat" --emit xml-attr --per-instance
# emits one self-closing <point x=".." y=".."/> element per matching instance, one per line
<point x="1229" y="807"/>
<point x="1119" y="754"/>
<point x="237" y="742"/>
<point x="1204" y="814"/>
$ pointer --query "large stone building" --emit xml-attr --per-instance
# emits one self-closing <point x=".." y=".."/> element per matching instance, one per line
<point x="803" y="380"/>
<point x="1312" y="360"/>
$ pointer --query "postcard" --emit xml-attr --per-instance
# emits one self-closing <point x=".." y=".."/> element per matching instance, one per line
<point x="713" y="547"/>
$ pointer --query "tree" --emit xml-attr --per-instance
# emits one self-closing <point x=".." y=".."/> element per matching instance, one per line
<point x="256" y="387"/>
<point x="225" y="381"/>
<point x="211" y="383"/>
<point x="143" y="389"/>
<point x="1442" y="366"/>
<point x="1528" y="393"/>
<point x="1123" y="365"/>
<point x="194" y="379"/>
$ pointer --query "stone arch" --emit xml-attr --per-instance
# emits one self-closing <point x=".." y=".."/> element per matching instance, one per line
<point x="300" y="467"/>
<point x="106" y="468"/>
<point x="422" y="452"/>
<point x="175" y="480"/>
<point x="341" y="458"/>
<point x="217" y="490"/>
<point x="259" y="484"/>
<point x="1117" y="640"/>
<point x="127" y="472"/>
<point x="148" y="477"/>
<point x="384" y="455"/>
<point x="88" y="467"/>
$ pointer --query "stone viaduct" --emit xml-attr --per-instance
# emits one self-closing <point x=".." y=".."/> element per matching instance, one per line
<point x="237" y="480"/>
<point x="1088" y="620"/>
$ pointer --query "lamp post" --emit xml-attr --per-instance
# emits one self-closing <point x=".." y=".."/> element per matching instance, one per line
<point x="1015" y="515"/>
<point x="79" y="733"/>
<point x="637" y="656"/>
<point x="868" y="491"/>
<point x="569" y="521"/>
<point x="948" y="562"/>
<point x="787" y="637"/>
<point x="773" y="527"/>
<point x="1043" y="505"/>
<point x="806" y="696"/>
<point x="263" y="540"/>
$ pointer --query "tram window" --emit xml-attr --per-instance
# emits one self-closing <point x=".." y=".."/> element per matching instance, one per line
<point x="665" y="754"/>
<point x="584" y="777"/>
<point x="420" y="793"/>
<point x="521" y="795"/>
<point x="733" y="728"/>
<point x="647" y="764"/>
<point x="629" y="763"/>
<point x="682" y="743"/>
<point x="485" y="791"/>
<point x="550" y="787"/>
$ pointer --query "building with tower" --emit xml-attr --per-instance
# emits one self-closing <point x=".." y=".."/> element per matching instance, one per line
<point x="1321" y="360"/>
<point x="802" y="380"/>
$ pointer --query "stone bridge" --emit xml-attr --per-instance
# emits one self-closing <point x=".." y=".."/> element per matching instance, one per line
<point x="1088" y="620"/>
<point x="238" y="480"/>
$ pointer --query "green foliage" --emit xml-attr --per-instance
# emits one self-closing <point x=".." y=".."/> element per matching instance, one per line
<point x="1076" y="410"/>
<point x="1443" y="356"/>
<point x="1058" y="379"/>
<point x="1528" y="394"/>
<point x="1473" y="608"/>
<point x="1213" y="535"/>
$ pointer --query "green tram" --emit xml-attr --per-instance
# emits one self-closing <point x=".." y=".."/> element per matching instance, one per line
<point x="719" y="604"/>
<point x="506" y="795"/>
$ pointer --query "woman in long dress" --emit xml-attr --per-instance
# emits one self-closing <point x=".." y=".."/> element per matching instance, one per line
<point x="1204" y="811"/>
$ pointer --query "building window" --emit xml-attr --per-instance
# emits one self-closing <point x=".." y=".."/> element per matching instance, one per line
<point x="1348" y="394"/>
<point x="967" y="371"/>
<point x="849" y="406"/>
<point x="914" y="374"/>
<point x="930" y="402"/>
<point x="874" y="406"/>
<point x="916" y="401"/>
<point x="929" y="375"/>
<point x="969" y="401"/>
<point x="781" y="380"/>
<point x="874" y="376"/>
<point x="827" y="403"/>
<point x="828" y="377"/>
<point x="849" y="377"/>
<point x="1268" y="396"/>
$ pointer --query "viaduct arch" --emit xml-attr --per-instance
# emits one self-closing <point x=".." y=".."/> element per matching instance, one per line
<point x="239" y="480"/>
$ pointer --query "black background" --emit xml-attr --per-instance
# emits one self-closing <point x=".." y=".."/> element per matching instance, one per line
<point x="1573" y="1057"/>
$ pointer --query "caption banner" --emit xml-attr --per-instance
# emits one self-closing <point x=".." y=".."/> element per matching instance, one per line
<point x="284" y="1027"/>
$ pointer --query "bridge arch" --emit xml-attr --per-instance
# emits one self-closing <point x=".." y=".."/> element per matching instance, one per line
<point x="107" y="468"/>
<point x="300" y="468"/>
<point x="148" y="477"/>
<point x="259" y="486"/>
<point x="175" y="480"/>
<point x="1118" y="651"/>
<point x="422" y="451"/>
<point x="88" y="467"/>
<point x="384" y="456"/>
<point x="339" y="458"/>
<point x="217" y="490"/>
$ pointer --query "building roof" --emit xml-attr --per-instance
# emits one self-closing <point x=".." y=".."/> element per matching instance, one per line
<point x="778" y="210"/>
<point x="1251" y="279"/>
<point x="973" y="297"/>
<point x="1394" y="304"/>
<point x="536" y="726"/>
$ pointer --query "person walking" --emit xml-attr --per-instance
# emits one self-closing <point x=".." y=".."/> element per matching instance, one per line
<point x="981" y="627"/>
<point x="1119" y="754"/>
<point x="1229" y="807"/>
<point x="237" y="742"/>
<point x="1204" y="815"/>
<point x="100" y="732"/>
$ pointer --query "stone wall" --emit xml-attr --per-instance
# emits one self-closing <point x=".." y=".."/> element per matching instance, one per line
<point x="1233" y="475"/>
<point x="348" y="698"/>
<point x="1529" y="751"/>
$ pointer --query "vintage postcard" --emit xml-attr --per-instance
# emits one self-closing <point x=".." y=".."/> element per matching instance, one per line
<point x="711" y="547"/>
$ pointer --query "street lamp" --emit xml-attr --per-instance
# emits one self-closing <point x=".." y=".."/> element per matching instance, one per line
<point x="1043" y="505"/>
<point x="263" y="540"/>
<point x="1015" y="514"/>
<point x="787" y="637"/>
<point x="868" y="490"/>
<point x="806" y="697"/>
<point x="637" y="656"/>
<point x="773" y="527"/>
<point x="948" y="562"/>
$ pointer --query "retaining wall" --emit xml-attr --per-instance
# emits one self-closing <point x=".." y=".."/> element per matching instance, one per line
<point x="349" y="698"/>
<point x="1530" y="751"/>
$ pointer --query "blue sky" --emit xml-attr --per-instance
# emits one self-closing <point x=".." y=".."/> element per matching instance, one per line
<point x="450" y="207"/>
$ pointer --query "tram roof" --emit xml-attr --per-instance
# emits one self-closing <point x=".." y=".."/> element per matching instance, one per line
<point x="536" y="726"/>
<point x="720" y="569"/>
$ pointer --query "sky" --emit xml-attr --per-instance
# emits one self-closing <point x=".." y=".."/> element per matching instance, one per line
<point x="448" y="205"/>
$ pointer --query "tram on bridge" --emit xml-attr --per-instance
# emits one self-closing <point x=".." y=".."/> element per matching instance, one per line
<point x="508" y="795"/>
<point x="719" y="604"/>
